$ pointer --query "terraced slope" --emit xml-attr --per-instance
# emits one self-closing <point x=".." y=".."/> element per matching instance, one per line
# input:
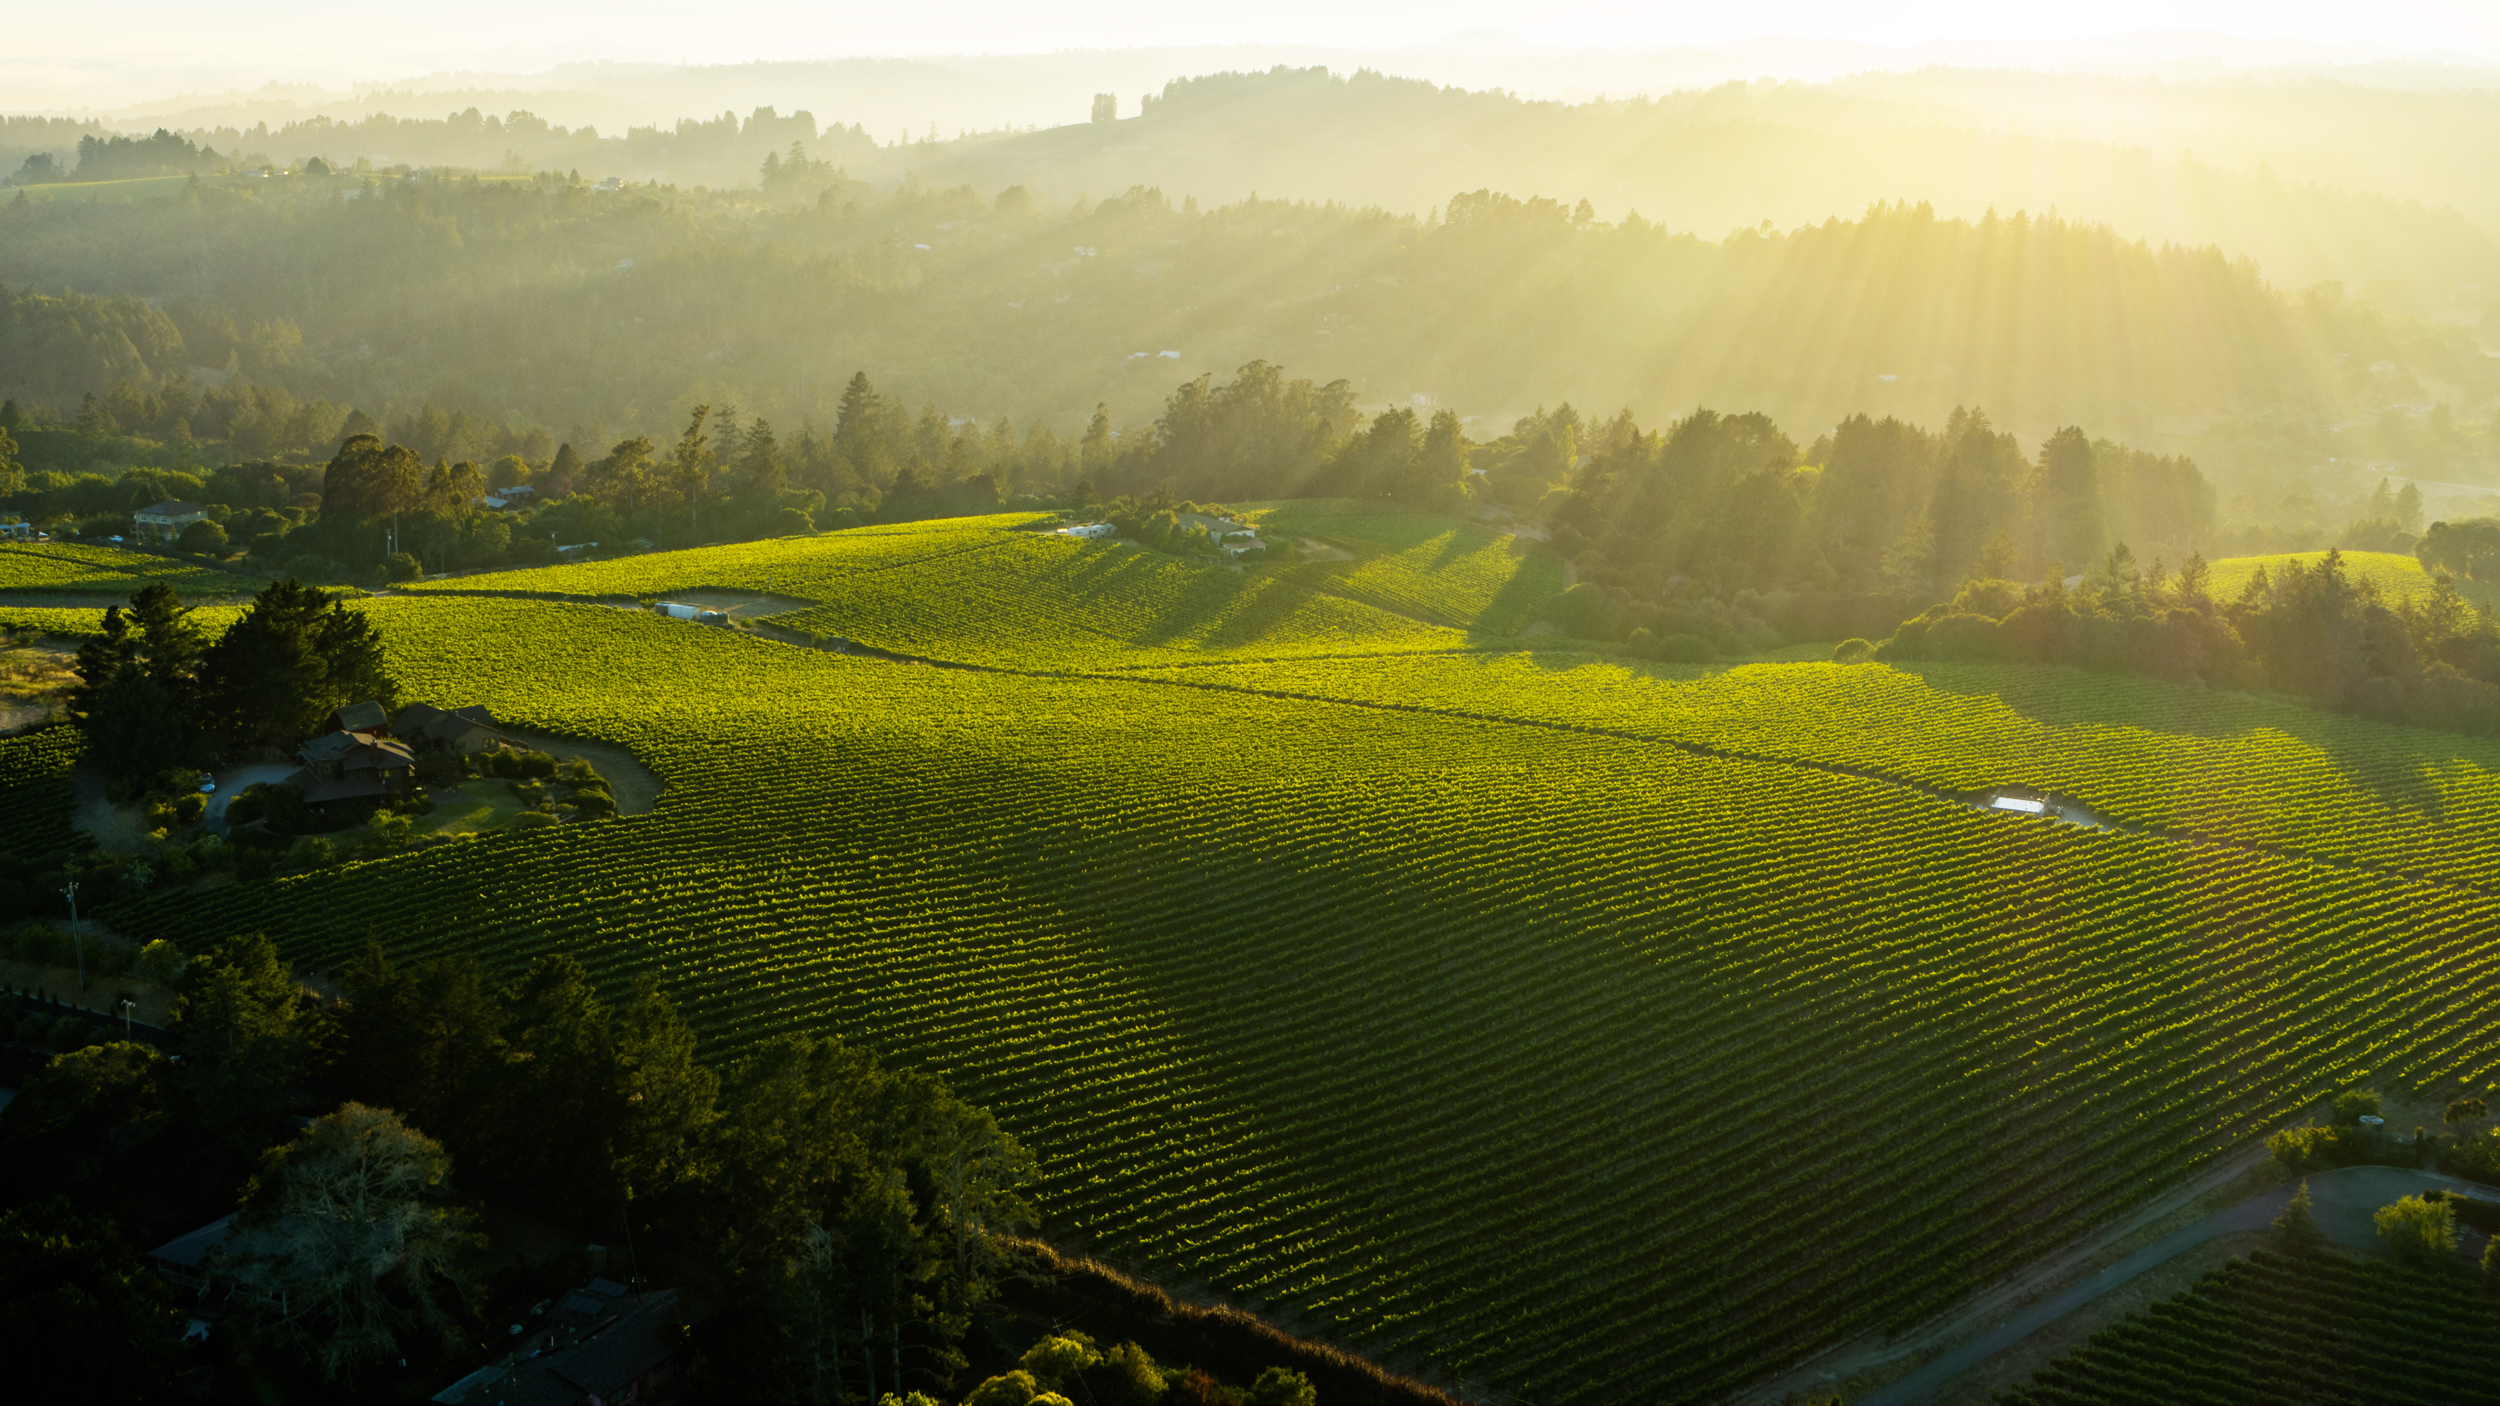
<point x="1581" y="1065"/>
<point x="2271" y="1328"/>
<point x="36" y="796"/>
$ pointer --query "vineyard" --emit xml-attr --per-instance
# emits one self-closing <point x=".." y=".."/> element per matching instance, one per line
<point x="2250" y="770"/>
<point x="804" y="567"/>
<point x="2273" y="1328"/>
<point x="2399" y="575"/>
<point x="1441" y="569"/>
<point x="1575" y="1064"/>
<point x="977" y="590"/>
<point x="65" y="568"/>
<point x="36" y="795"/>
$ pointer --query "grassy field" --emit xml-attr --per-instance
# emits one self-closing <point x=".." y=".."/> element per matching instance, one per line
<point x="2272" y="1328"/>
<point x="1518" y="1045"/>
<point x="2399" y="575"/>
<point x="66" y="568"/>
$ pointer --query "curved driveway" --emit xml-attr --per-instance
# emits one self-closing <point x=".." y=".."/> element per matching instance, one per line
<point x="2344" y="1200"/>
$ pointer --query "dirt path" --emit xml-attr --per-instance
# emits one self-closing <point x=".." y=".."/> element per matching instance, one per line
<point x="2343" y="1202"/>
<point x="1994" y="1304"/>
<point x="117" y="829"/>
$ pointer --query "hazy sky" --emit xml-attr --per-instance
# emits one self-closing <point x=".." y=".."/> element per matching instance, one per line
<point x="119" y="50"/>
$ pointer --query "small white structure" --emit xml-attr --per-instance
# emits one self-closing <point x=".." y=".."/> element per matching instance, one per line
<point x="1089" y="531"/>
<point x="1169" y="356"/>
<point x="675" y="611"/>
<point x="2017" y="803"/>
<point x="163" y="522"/>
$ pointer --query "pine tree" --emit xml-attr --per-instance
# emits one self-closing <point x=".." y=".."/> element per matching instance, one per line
<point x="2296" y="1230"/>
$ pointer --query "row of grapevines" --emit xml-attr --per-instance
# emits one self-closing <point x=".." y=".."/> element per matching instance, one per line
<point x="2254" y="770"/>
<point x="2275" y="1328"/>
<point x="1442" y="569"/>
<point x="1576" y="1064"/>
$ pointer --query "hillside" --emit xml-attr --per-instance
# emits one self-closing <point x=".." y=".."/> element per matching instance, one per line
<point x="2398" y="575"/>
<point x="1421" y="999"/>
<point x="977" y="590"/>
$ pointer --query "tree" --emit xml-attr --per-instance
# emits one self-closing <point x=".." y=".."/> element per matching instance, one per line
<point x="295" y="655"/>
<point x="12" y="473"/>
<point x="138" y="696"/>
<point x="671" y="1100"/>
<point x="369" y="479"/>
<point x="1283" y="1386"/>
<point x="2469" y="548"/>
<point x="690" y="467"/>
<point x="2465" y="1110"/>
<point x="80" y="1115"/>
<point x="622" y="477"/>
<point x="347" y="1234"/>
<point x="2419" y="1230"/>
<point x="424" y="1040"/>
<point x="2297" y="1228"/>
<point x="2070" y="498"/>
<point x="202" y="538"/>
<point x="1106" y="108"/>
<point x="80" y="1317"/>
<point x="238" y="1020"/>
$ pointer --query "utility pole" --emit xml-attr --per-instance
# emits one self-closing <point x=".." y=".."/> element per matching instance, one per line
<point x="127" y="1005"/>
<point x="77" y="946"/>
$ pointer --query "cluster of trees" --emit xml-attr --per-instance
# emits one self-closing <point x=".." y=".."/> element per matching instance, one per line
<point x="155" y="694"/>
<point x="856" y="1210"/>
<point x="111" y="156"/>
<point x="2316" y="630"/>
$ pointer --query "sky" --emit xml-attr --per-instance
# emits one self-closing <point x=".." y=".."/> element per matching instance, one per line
<point x="123" y="50"/>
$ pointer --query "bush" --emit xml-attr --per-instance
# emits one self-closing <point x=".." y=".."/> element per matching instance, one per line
<point x="1282" y="1386"/>
<point x="2313" y="1148"/>
<point x="1126" y="1376"/>
<point x="1058" y="1360"/>
<point x="310" y="852"/>
<point x="593" y="805"/>
<point x="1006" y="1389"/>
<point x="534" y="820"/>
<point x="205" y="539"/>
<point x="1585" y="612"/>
<point x="2419" y="1229"/>
<point x="2352" y="1104"/>
<point x="1685" y="649"/>
<point x="70" y="1033"/>
<point x="402" y="566"/>
<point x="159" y="963"/>
<point x="1853" y="651"/>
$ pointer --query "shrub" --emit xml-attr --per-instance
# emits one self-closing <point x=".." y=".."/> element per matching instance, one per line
<point x="402" y="566"/>
<point x="1685" y="649"/>
<point x="160" y="963"/>
<point x="1282" y="1386"/>
<point x="1853" y="651"/>
<point x="2352" y="1104"/>
<point x="1058" y="1360"/>
<point x="70" y="1033"/>
<point x="2418" y="1229"/>
<point x="310" y="852"/>
<point x="1126" y="1376"/>
<point x="533" y="820"/>
<point x="205" y="539"/>
<point x="593" y="805"/>
<point x="2313" y="1148"/>
<point x="1015" y="1388"/>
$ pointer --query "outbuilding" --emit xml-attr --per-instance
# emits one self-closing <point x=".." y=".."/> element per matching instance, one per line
<point x="163" y="522"/>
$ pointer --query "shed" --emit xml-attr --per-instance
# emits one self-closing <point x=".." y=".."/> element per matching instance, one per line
<point x="183" y="1260"/>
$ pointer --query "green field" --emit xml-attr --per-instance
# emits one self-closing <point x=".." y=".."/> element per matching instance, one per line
<point x="2399" y="575"/>
<point x="1512" y="1039"/>
<point x="2272" y="1328"/>
<point x="66" y="568"/>
<point x="980" y="591"/>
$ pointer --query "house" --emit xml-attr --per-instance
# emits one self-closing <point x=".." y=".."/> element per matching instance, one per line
<point x="600" y="1343"/>
<point x="352" y="769"/>
<point x="19" y="531"/>
<point x="1091" y="531"/>
<point x="367" y="718"/>
<point x="430" y="732"/>
<point x="163" y="522"/>
<point x="183" y="1260"/>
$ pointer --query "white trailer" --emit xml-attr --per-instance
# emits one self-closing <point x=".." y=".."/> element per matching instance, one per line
<point x="674" y="611"/>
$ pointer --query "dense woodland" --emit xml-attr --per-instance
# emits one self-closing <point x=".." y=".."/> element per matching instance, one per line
<point x="543" y="302"/>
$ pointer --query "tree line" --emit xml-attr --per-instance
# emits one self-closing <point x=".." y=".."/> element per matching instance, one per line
<point x="2317" y="630"/>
